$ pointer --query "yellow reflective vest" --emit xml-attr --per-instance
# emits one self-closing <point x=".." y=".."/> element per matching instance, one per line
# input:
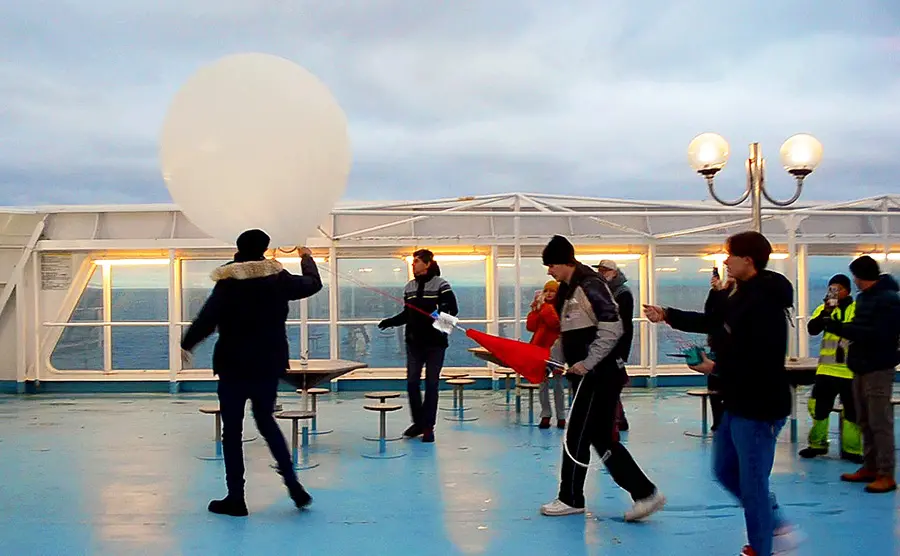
<point x="828" y="364"/>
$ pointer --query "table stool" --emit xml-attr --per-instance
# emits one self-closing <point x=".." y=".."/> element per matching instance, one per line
<point x="453" y="375"/>
<point x="382" y="398"/>
<point x="217" y="436"/>
<point x="314" y="393"/>
<point x="458" y="384"/>
<point x="382" y="409"/>
<point x="531" y="388"/>
<point x="506" y="374"/>
<point x="295" y="417"/>
<point x="704" y="427"/>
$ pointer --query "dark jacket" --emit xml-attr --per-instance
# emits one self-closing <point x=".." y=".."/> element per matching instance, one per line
<point x="874" y="330"/>
<point x="590" y="327"/>
<point x="249" y="306"/>
<point x="748" y="324"/>
<point x="625" y="300"/>
<point x="428" y="293"/>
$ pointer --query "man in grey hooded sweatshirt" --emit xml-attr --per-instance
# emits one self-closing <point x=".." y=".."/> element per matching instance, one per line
<point x="623" y="297"/>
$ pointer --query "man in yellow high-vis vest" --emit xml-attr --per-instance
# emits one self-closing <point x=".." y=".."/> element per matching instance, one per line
<point x="833" y="377"/>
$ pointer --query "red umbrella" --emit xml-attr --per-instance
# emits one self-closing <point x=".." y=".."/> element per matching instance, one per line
<point x="528" y="360"/>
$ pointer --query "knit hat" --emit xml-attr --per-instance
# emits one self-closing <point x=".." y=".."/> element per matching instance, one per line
<point x="558" y="251"/>
<point x="841" y="280"/>
<point x="865" y="268"/>
<point x="252" y="245"/>
<point x="552" y="285"/>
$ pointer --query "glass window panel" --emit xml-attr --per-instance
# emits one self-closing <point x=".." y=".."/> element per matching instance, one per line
<point x="458" y="354"/>
<point x="533" y="276"/>
<point x="468" y="280"/>
<point x="202" y="354"/>
<point x="140" y="348"/>
<point x="319" y="338"/>
<point x="317" y="304"/>
<point x="140" y="293"/>
<point x="79" y="349"/>
<point x="90" y="304"/>
<point x="196" y="286"/>
<point x="682" y="283"/>
<point x="356" y="302"/>
<point x="377" y="348"/>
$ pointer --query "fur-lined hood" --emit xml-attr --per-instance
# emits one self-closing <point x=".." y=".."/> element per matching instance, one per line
<point x="247" y="270"/>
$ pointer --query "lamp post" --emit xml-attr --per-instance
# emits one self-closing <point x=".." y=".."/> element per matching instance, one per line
<point x="800" y="154"/>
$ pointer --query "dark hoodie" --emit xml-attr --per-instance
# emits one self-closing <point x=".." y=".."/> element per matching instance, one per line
<point x="750" y="325"/>
<point x="248" y="307"/>
<point x="428" y="293"/>
<point x="875" y="328"/>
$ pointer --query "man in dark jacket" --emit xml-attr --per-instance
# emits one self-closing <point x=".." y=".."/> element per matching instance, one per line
<point x="425" y="345"/>
<point x="249" y="306"/>
<point x="623" y="297"/>
<point x="873" y="335"/>
<point x="590" y="329"/>
<point x="750" y="325"/>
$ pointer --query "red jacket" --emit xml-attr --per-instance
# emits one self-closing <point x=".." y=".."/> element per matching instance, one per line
<point x="544" y="322"/>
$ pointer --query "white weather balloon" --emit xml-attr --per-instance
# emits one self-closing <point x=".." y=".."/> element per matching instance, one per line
<point x="255" y="141"/>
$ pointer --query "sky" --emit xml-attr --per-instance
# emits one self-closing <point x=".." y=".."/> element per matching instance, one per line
<point x="465" y="98"/>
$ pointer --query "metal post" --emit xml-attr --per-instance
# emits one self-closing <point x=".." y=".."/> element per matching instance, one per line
<point x="517" y="310"/>
<point x="793" y="339"/>
<point x="175" y="365"/>
<point x="755" y="180"/>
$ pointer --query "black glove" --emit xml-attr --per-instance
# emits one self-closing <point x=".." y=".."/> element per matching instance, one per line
<point x="384" y="324"/>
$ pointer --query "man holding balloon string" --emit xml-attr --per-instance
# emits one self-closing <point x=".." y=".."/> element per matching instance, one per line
<point x="249" y="307"/>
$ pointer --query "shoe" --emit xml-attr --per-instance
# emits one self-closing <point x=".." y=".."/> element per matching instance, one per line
<point x="884" y="483"/>
<point x="232" y="506"/>
<point x="413" y="431"/>
<point x="428" y="435"/>
<point x="559" y="508"/>
<point x="809" y="452"/>
<point x="545" y="423"/>
<point x="561" y="424"/>
<point x="853" y="458"/>
<point x="862" y="475"/>
<point x="787" y="539"/>
<point x="645" y="507"/>
<point x="623" y="425"/>
<point x="747" y="551"/>
<point x="301" y="498"/>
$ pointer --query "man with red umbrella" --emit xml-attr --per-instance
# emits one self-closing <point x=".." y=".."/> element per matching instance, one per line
<point x="590" y="329"/>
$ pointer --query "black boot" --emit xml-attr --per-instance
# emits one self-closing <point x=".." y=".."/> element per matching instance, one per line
<point x="230" y="505"/>
<point x="301" y="498"/>
<point x="413" y="431"/>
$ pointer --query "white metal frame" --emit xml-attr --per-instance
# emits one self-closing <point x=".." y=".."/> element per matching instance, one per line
<point x="648" y="228"/>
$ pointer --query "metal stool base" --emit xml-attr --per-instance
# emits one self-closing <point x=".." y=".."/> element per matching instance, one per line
<point x="376" y="439"/>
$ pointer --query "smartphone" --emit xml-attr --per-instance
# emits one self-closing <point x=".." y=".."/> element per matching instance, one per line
<point x="716" y="272"/>
<point x="831" y="298"/>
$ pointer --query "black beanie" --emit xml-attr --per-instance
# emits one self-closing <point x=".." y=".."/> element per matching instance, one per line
<point x="558" y="251"/>
<point x="865" y="268"/>
<point x="252" y="245"/>
<point x="841" y="280"/>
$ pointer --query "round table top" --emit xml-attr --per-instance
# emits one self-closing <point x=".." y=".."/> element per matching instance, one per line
<point x="383" y="407"/>
<point x="295" y="415"/>
<point x="461" y="381"/>
<point x="210" y="409"/>
<point x="381" y="395"/>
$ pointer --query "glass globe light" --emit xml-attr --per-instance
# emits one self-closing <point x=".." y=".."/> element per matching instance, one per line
<point x="708" y="153"/>
<point x="800" y="154"/>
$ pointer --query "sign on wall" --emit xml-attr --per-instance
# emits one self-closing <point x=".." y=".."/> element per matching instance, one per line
<point x="56" y="271"/>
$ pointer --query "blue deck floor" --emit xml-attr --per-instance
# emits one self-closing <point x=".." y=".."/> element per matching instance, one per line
<point x="117" y="474"/>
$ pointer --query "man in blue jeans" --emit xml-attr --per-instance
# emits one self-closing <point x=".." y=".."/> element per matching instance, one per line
<point x="750" y="323"/>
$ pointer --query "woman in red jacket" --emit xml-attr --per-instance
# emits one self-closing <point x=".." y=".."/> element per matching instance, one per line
<point x="544" y="322"/>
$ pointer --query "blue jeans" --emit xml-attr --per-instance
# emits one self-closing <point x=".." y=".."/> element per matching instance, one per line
<point x="743" y="455"/>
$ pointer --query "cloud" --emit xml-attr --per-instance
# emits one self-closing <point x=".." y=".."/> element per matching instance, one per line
<point x="582" y="98"/>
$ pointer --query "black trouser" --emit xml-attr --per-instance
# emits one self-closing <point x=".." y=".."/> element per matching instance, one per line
<point x="716" y="403"/>
<point x="592" y="423"/>
<point x="432" y="358"/>
<point x="233" y="396"/>
<point x="826" y="389"/>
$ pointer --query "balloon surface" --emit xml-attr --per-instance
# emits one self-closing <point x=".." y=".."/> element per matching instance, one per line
<point x="255" y="141"/>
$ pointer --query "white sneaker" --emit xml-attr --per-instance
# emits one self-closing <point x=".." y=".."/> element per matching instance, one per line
<point x="787" y="539"/>
<point x="643" y="508"/>
<point x="557" y="508"/>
